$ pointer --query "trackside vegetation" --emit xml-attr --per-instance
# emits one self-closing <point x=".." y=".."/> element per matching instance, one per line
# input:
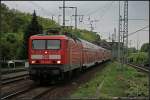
<point x="114" y="82"/>
<point x="138" y="58"/>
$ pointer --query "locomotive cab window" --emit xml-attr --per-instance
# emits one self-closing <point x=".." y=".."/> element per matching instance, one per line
<point x="46" y="44"/>
<point x="53" y="44"/>
<point x="38" y="44"/>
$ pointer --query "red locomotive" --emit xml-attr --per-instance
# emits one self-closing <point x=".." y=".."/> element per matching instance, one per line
<point x="55" y="56"/>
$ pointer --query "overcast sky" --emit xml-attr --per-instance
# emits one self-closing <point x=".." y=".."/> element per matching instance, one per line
<point x="105" y="12"/>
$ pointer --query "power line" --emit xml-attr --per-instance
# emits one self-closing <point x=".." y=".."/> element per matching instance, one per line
<point x="139" y="19"/>
<point x="46" y="11"/>
<point x="138" y="30"/>
<point x="145" y="30"/>
<point x="107" y="5"/>
<point x="105" y="9"/>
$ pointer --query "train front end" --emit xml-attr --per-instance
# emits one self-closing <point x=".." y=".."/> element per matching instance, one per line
<point x="46" y="56"/>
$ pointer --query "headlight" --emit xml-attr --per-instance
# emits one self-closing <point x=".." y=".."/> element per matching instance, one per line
<point x="33" y="62"/>
<point x="58" y="62"/>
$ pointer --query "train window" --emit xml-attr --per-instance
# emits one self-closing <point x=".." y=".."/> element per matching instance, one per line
<point x="38" y="44"/>
<point x="53" y="44"/>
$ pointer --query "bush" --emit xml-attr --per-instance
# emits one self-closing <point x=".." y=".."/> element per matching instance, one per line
<point x="138" y="58"/>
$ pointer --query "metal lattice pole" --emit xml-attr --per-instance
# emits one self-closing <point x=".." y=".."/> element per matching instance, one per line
<point x="119" y="37"/>
<point x="63" y="13"/>
<point x="75" y="17"/>
<point x="125" y="32"/>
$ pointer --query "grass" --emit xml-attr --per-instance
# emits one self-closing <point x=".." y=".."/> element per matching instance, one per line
<point x="114" y="82"/>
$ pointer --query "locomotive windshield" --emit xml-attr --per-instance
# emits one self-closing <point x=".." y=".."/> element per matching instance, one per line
<point x="46" y="44"/>
<point x="38" y="44"/>
<point x="53" y="44"/>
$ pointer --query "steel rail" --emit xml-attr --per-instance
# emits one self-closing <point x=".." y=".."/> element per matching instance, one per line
<point x="14" y="79"/>
<point x="139" y="67"/>
<point x="29" y="90"/>
<point x="8" y="71"/>
<point x="16" y="93"/>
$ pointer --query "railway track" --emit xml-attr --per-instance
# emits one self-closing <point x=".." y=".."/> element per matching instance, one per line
<point x="13" y="70"/>
<point x="13" y="77"/>
<point x="9" y="95"/>
<point x="28" y="93"/>
<point x="36" y="93"/>
<point x="12" y="89"/>
<point x="140" y="68"/>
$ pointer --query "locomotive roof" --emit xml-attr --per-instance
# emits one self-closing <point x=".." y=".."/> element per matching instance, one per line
<point x="84" y="42"/>
<point x="47" y="36"/>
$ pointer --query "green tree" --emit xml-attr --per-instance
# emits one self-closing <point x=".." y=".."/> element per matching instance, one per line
<point x="145" y="47"/>
<point x="18" y="23"/>
<point x="32" y="29"/>
<point x="9" y="43"/>
<point x="5" y="18"/>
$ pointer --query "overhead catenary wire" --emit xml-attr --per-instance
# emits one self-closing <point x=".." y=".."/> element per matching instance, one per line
<point x="40" y="7"/>
<point x="138" y="30"/>
<point x="139" y="19"/>
<point x="107" y="5"/>
<point x="105" y="9"/>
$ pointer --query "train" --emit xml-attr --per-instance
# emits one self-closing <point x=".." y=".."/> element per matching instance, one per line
<point x="57" y="56"/>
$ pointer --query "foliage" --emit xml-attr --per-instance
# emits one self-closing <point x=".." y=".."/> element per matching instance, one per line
<point x="139" y="89"/>
<point x="85" y="34"/>
<point x="114" y="82"/>
<point x="138" y="58"/>
<point x="145" y="47"/>
<point x="10" y="45"/>
<point x="12" y="20"/>
<point x="34" y="27"/>
<point x="89" y="36"/>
